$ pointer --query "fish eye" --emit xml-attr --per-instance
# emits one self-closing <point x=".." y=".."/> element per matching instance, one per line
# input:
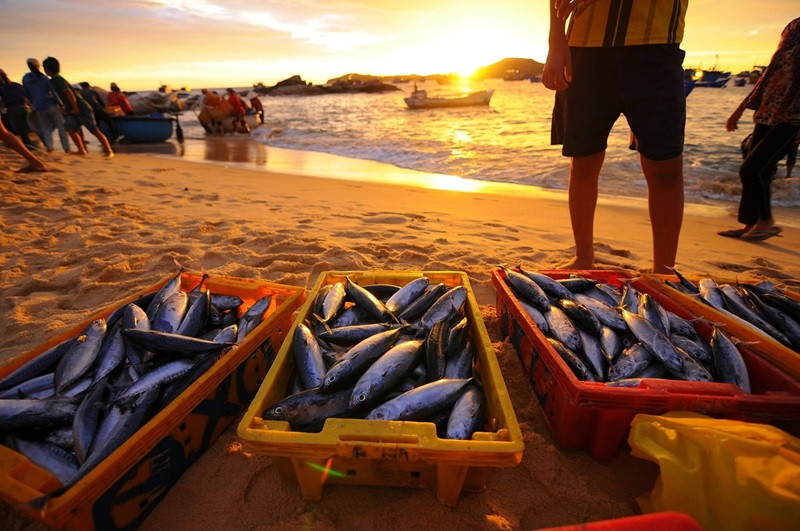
<point x="278" y="410"/>
<point x="362" y="397"/>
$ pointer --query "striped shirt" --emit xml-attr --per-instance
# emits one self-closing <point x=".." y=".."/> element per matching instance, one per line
<point x="609" y="23"/>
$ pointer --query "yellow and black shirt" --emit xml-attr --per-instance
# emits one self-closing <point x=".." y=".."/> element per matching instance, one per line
<point x="609" y="23"/>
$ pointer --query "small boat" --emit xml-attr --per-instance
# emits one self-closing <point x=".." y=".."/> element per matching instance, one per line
<point x="420" y="100"/>
<point x="514" y="75"/>
<point x="151" y="129"/>
<point x="740" y="82"/>
<point x="253" y="119"/>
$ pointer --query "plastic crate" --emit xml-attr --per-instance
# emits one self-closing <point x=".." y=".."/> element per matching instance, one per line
<point x="597" y="417"/>
<point x="759" y="342"/>
<point x="662" y="521"/>
<point x="387" y="453"/>
<point x="125" y="488"/>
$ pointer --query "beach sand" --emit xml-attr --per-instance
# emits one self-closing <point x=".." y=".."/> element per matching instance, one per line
<point x="93" y="231"/>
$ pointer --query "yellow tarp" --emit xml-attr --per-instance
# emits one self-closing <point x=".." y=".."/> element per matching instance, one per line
<point x="726" y="474"/>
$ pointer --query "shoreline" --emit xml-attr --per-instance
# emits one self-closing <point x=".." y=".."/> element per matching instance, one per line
<point x="246" y="153"/>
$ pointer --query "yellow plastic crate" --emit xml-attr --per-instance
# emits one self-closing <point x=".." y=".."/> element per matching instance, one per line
<point x="125" y="488"/>
<point x="759" y="342"/>
<point x="387" y="453"/>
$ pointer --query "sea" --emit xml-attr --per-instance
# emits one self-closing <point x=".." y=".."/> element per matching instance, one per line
<point x="508" y="141"/>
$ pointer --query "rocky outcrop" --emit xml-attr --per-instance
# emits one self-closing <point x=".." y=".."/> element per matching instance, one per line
<point x="295" y="86"/>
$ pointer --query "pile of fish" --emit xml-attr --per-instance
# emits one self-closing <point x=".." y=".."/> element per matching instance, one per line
<point x="69" y="408"/>
<point x="384" y="352"/>
<point x="618" y="336"/>
<point x="761" y="307"/>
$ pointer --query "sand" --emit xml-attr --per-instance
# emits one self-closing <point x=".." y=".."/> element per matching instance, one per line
<point x="94" y="230"/>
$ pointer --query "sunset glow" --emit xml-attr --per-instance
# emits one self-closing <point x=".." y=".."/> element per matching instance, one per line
<point x="141" y="44"/>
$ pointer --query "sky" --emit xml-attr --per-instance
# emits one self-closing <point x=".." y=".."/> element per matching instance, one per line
<point x="142" y="44"/>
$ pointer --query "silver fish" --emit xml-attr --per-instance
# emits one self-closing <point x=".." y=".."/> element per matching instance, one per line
<point x="407" y="294"/>
<point x="604" y="313"/>
<point x="467" y="414"/>
<point x="387" y="370"/>
<point x="308" y="357"/>
<point x="562" y="328"/>
<point x="447" y="305"/>
<point x="655" y="340"/>
<point x="353" y="364"/>
<point x="77" y="361"/>
<point x="527" y="289"/>
<point x="550" y="286"/>
<point x="368" y="302"/>
<point x="728" y="362"/>
<point x="420" y="402"/>
<point x="170" y="314"/>
<point x="633" y="361"/>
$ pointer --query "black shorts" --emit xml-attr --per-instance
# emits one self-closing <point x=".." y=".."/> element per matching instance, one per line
<point x="645" y="83"/>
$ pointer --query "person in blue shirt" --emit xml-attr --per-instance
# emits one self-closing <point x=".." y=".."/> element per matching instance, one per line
<point x="46" y="105"/>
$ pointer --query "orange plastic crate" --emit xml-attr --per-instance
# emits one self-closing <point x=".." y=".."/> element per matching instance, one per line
<point x="126" y="487"/>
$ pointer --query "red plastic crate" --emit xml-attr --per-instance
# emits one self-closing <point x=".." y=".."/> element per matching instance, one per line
<point x="597" y="417"/>
<point x="663" y="521"/>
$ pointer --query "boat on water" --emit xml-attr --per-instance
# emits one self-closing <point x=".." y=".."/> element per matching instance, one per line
<point x="711" y="78"/>
<point x="253" y="119"/>
<point x="740" y="82"/>
<point x="420" y="100"/>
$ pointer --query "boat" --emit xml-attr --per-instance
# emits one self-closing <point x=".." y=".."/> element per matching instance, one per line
<point x="139" y="129"/>
<point x="740" y="82"/>
<point x="755" y="74"/>
<point x="514" y="75"/>
<point x="420" y="100"/>
<point x="253" y="119"/>
<point x="712" y="79"/>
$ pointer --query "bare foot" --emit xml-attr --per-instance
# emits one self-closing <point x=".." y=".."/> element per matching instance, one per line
<point x="110" y="155"/>
<point x="577" y="263"/>
<point x="33" y="169"/>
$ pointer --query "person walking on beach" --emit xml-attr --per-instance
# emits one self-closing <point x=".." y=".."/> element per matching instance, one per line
<point x="47" y="107"/>
<point x="98" y="108"/>
<point x="78" y="111"/>
<point x="257" y="105"/>
<point x="14" y="98"/>
<point x="776" y="101"/>
<point x="12" y="141"/>
<point x="614" y="60"/>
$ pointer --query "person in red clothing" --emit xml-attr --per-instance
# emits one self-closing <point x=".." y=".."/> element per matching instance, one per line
<point x="118" y="98"/>
<point x="238" y="111"/>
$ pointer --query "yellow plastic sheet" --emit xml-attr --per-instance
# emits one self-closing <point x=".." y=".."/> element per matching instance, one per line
<point x="726" y="474"/>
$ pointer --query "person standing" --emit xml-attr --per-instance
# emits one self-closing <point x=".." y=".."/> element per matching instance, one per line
<point x="776" y="101"/>
<point x="99" y="109"/>
<point x="46" y="105"/>
<point x="620" y="58"/>
<point x="238" y="111"/>
<point x="15" y="99"/>
<point x="255" y="102"/>
<point x="78" y="111"/>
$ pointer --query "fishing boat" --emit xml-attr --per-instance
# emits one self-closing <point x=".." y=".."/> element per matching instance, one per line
<point x="420" y="100"/>
<point x="144" y="129"/>
<point x="253" y="119"/>
<point x="712" y="79"/>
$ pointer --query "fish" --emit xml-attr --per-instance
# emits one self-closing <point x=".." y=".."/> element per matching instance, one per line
<point x="169" y="288"/>
<point x="421" y="402"/>
<point x="710" y="293"/>
<point x="387" y="371"/>
<point x="196" y="316"/>
<point x="604" y="313"/>
<point x="253" y="317"/>
<point x="21" y="414"/>
<point x="651" y="310"/>
<point x="572" y="360"/>
<point x="633" y="361"/>
<point x="172" y="344"/>
<point x="728" y="362"/>
<point x="407" y="294"/>
<point x="592" y="353"/>
<point x="37" y="365"/>
<point x="368" y="302"/>
<point x="350" y="335"/>
<point x="687" y="284"/>
<point x="581" y="316"/>
<point x="562" y="328"/>
<point x="536" y="316"/>
<point x="333" y="301"/>
<point x="417" y="308"/>
<point x="307" y="357"/>
<point x="87" y="419"/>
<point x="550" y="286"/>
<point x="170" y="313"/>
<point x="527" y="289"/>
<point x="154" y="379"/>
<point x="79" y="358"/>
<point x="353" y="364"/>
<point x="655" y="340"/>
<point x="467" y="414"/>
<point x="308" y="410"/>
<point x="435" y="356"/>
<point x="448" y="304"/>
<point x="56" y="460"/>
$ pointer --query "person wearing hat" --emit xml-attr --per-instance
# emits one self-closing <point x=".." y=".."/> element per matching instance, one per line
<point x="118" y="98"/>
<point x="78" y="111"/>
<point x="46" y="106"/>
<point x="14" y="98"/>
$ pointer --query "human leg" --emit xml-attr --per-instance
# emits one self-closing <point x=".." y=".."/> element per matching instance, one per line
<point x="583" y="178"/>
<point x="46" y="126"/>
<point x="665" y="203"/>
<point x="16" y="144"/>
<point x="767" y="148"/>
<point x="58" y="122"/>
<point x="103" y="142"/>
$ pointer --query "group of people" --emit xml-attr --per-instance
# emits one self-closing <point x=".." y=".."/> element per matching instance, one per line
<point x="215" y="108"/>
<point x="609" y="61"/>
<point x="54" y="105"/>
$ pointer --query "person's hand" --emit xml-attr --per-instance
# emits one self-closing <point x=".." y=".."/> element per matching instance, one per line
<point x="733" y="122"/>
<point x="557" y="72"/>
<point x="565" y="7"/>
